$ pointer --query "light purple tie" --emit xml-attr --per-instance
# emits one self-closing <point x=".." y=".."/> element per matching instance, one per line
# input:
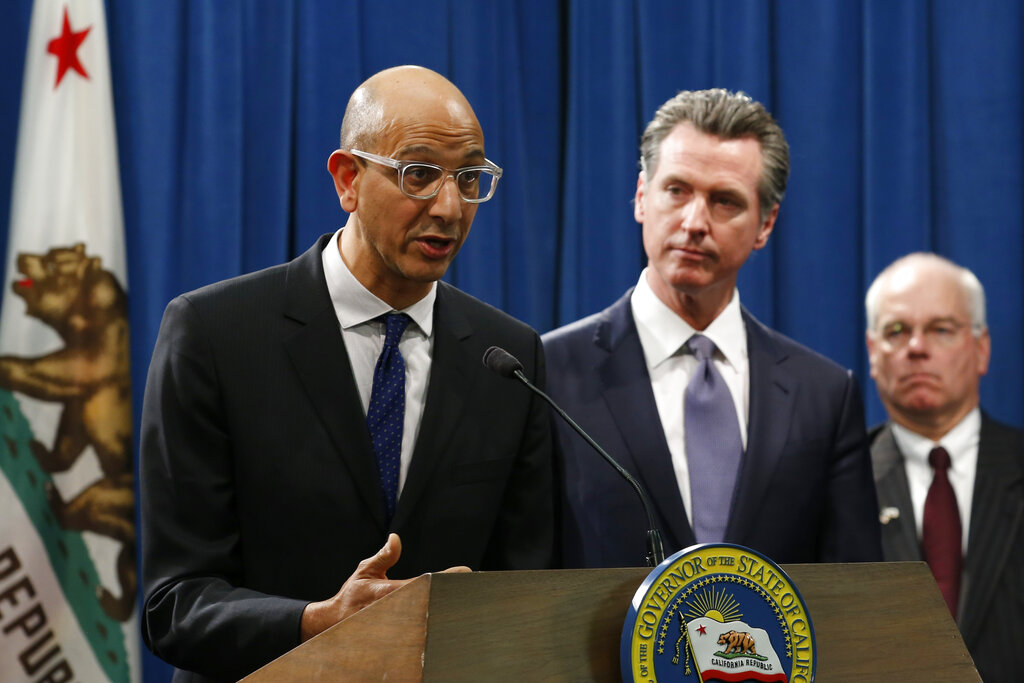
<point x="713" y="444"/>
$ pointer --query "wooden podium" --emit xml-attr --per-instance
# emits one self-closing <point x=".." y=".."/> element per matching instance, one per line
<point x="872" y="621"/>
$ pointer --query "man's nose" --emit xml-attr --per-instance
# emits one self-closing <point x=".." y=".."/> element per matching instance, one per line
<point x="696" y="216"/>
<point x="447" y="205"/>
<point x="918" y="342"/>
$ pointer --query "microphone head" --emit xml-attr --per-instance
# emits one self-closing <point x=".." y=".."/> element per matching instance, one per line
<point x="501" y="361"/>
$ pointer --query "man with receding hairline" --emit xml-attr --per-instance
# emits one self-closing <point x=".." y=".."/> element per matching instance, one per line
<point x="300" y="419"/>
<point x="950" y="478"/>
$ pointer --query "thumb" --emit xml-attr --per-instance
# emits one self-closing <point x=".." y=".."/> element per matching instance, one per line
<point x="378" y="565"/>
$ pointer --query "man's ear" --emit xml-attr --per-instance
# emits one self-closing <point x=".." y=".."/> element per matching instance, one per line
<point x="982" y="352"/>
<point x="869" y="341"/>
<point x="766" y="228"/>
<point x="638" y="199"/>
<point x="345" y="171"/>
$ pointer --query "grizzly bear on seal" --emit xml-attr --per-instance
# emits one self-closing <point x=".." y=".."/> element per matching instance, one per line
<point x="88" y="308"/>
<point x="737" y="642"/>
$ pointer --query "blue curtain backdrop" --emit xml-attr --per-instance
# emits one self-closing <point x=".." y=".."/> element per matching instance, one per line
<point x="905" y="121"/>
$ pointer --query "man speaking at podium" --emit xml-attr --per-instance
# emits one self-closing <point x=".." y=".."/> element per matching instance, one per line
<point x="738" y="433"/>
<point x="296" y="416"/>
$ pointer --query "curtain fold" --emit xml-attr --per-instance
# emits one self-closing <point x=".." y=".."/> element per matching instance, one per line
<point x="600" y="251"/>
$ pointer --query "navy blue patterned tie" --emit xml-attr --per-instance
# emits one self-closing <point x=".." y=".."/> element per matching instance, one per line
<point x="386" y="413"/>
<point x="713" y="444"/>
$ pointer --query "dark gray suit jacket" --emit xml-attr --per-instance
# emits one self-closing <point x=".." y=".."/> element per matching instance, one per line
<point x="259" y="489"/>
<point x="804" y="492"/>
<point x="991" y="614"/>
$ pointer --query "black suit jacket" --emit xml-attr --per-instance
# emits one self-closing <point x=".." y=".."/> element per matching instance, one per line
<point x="804" y="492"/>
<point x="991" y="613"/>
<point x="259" y="487"/>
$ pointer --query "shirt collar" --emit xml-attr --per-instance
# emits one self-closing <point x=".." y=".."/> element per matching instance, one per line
<point x="958" y="441"/>
<point x="663" y="333"/>
<point x="355" y="304"/>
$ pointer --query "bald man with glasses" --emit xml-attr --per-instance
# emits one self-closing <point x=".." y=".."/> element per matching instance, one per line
<point x="300" y="419"/>
<point x="950" y="479"/>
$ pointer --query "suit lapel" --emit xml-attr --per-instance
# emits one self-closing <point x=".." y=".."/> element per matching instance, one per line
<point x="318" y="353"/>
<point x="896" y="510"/>
<point x="450" y="381"/>
<point x="997" y="512"/>
<point x="772" y="397"/>
<point x="630" y="400"/>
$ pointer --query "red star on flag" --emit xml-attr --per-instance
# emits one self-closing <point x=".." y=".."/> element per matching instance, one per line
<point x="702" y="630"/>
<point x="65" y="48"/>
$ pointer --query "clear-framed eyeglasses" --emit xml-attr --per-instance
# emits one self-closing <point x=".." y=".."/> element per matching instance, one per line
<point x="420" y="180"/>
<point x="941" y="332"/>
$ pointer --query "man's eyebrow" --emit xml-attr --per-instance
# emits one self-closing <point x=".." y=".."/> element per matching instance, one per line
<point x="930" y="321"/>
<point x="674" y="179"/>
<point x="948" y="320"/>
<point x="731" y="193"/>
<point x="415" y="149"/>
<point x="425" y="150"/>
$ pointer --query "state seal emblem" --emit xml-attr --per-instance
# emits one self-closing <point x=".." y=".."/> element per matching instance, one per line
<point x="718" y="612"/>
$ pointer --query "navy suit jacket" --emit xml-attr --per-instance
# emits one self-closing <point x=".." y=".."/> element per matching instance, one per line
<point x="991" y="613"/>
<point x="259" y="488"/>
<point x="804" y="490"/>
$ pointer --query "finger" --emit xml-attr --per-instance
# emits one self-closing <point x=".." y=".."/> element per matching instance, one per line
<point x="382" y="588"/>
<point x="457" y="570"/>
<point x="392" y="547"/>
<point x="378" y="565"/>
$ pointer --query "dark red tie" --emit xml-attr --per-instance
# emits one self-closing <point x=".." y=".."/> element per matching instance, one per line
<point x="940" y="538"/>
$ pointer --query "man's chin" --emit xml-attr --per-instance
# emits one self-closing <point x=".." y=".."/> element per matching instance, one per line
<point x="688" y="281"/>
<point x="921" y="406"/>
<point x="426" y="272"/>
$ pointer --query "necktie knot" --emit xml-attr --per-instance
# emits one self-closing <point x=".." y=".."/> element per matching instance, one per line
<point x="939" y="459"/>
<point x="701" y="347"/>
<point x="395" y="324"/>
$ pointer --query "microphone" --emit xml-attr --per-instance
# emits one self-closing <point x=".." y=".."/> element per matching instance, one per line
<point x="505" y="364"/>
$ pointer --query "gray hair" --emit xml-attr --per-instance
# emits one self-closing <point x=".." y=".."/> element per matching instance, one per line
<point x="968" y="282"/>
<point x="729" y="116"/>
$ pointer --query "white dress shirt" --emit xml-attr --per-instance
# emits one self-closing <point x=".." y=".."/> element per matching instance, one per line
<point x="357" y="310"/>
<point x="961" y="442"/>
<point x="662" y="336"/>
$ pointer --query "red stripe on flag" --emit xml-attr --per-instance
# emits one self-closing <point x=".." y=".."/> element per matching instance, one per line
<point x="740" y="676"/>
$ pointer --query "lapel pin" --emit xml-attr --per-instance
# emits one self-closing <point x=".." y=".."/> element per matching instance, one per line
<point x="888" y="514"/>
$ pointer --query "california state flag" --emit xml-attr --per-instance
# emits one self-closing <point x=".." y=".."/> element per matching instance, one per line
<point x="733" y="652"/>
<point x="68" y="575"/>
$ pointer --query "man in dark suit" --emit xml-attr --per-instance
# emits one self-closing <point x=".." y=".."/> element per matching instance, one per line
<point x="777" y="458"/>
<point x="929" y="347"/>
<point x="264" y="483"/>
